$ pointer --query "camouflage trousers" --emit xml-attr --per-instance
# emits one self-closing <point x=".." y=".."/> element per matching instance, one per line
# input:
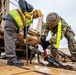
<point x="69" y="35"/>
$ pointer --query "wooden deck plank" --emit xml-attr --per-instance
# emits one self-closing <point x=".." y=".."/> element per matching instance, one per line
<point x="32" y="69"/>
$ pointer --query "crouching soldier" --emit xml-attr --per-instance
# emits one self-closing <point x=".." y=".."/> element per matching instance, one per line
<point x="59" y="29"/>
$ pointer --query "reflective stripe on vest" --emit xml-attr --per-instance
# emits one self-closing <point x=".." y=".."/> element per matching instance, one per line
<point x="58" y="34"/>
<point x="18" y="19"/>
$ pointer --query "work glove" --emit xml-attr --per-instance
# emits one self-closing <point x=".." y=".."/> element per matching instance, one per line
<point x="24" y="40"/>
<point x="43" y="39"/>
<point x="27" y="15"/>
<point x="45" y="45"/>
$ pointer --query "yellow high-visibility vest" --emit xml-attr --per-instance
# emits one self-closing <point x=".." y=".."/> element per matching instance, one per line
<point x="58" y="34"/>
<point x="18" y="19"/>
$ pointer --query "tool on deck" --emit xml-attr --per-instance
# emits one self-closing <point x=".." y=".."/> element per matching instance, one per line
<point x="25" y="38"/>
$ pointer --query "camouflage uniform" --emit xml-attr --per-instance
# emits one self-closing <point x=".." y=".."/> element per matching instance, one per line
<point x="0" y="17"/>
<point x="66" y="32"/>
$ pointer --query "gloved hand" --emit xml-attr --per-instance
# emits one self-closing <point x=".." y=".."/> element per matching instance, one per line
<point x="24" y="40"/>
<point x="45" y="44"/>
<point x="43" y="38"/>
<point x="27" y="15"/>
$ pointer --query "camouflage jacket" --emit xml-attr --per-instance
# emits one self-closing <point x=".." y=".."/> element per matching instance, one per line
<point x="46" y="28"/>
<point x="0" y="17"/>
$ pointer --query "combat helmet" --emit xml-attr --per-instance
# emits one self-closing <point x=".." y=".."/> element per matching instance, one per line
<point x="52" y="19"/>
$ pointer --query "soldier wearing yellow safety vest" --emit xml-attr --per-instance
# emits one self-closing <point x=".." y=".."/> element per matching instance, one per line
<point x="59" y="29"/>
<point x="14" y="21"/>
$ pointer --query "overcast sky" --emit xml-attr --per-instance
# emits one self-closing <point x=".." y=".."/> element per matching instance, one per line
<point x="65" y="8"/>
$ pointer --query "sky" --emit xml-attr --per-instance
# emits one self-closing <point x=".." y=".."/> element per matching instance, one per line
<point x="65" y="8"/>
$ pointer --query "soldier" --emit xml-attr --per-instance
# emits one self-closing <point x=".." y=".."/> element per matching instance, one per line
<point x="59" y="29"/>
<point x="15" y="20"/>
